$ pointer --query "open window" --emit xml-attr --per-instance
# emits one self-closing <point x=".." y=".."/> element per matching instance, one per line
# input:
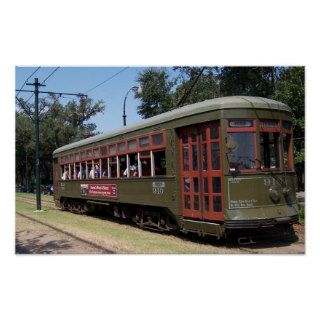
<point x="159" y="163"/>
<point x="145" y="161"/>
<point x="269" y="150"/>
<point x="132" y="165"/>
<point x="269" y="144"/>
<point x="104" y="168"/>
<point x="113" y="167"/>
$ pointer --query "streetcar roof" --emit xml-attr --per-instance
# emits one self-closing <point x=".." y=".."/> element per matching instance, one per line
<point x="233" y="102"/>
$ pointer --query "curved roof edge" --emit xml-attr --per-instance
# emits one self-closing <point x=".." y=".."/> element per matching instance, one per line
<point x="232" y="102"/>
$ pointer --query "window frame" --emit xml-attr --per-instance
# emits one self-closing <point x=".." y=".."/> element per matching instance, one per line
<point x="276" y="129"/>
<point x="253" y="130"/>
<point x="290" y="149"/>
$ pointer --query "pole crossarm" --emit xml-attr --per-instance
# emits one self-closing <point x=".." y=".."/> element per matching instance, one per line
<point x="59" y="93"/>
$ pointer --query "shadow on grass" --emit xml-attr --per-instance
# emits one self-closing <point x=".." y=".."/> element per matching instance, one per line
<point x="34" y="245"/>
<point x="40" y="245"/>
<point x="261" y="239"/>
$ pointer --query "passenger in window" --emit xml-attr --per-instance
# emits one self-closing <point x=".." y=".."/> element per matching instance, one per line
<point x="97" y="171"/>
<point x="91" y="173"/>
<point x="133" y="171"/>
<point x="79" y="175"/>
<point x="65" y="175"/>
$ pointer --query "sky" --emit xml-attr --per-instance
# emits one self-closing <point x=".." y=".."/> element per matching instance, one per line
<point x="82" y="79"/>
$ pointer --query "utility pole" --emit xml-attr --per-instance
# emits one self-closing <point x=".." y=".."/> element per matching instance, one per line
<point x="36" y="85"/>
<point x="36" y="92"/>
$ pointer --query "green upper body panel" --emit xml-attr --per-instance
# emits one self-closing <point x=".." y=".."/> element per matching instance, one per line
<point x="234" y="102"/>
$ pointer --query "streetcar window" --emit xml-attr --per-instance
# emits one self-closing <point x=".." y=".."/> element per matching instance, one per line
<point x="113" y="167"/>
<point x="71" y="177"/>
<point x="103" y="151"/>
<point x="89" y="153"/>
<point x="216" y="184"/>
<point x="187" y="202"/>
<point x="186" y="184"/>
<point x="215" y="156"/>
<point x="96" y="152"/>
<point x="204" y="157"/>
<point x="286" y="125"/>
<point x="144" y="142"/>
<point x="184" y="137"/>
<point x="195" y="184"/>
<point x="76" y="173"/>
<point x="206" y="203"/>
<point x="214" y="132"/>
<point x="83" y="168"/>
<point x="157" y="139"/>
<point x="90" y="170"/>
<point x="123" y="165"/>
<point x="133" y="165"/>
<point x="121" y="147"/>
<point x="71" y="157"/>
<point x="203" y="133"/>
<point x="217" y="204"/>
<point x="241" y="153"/>
<point x="112" y="149"/>
<point x="83" y="155"/>
<point x="286" y="138"/>
<point x="196" y="202"/>
<point x="193" y="135"/>
<point x="194" y="157"/>
<point x="205" y="185"/>
<point x="159" y="163"/>
<point x="132" y="144"/>
<point x="269" y="149"/>
<point x="145" y="161"/>
<point x="186" y="158"/>
<point x="104" y="168"/>
<point x="77" y="157"/>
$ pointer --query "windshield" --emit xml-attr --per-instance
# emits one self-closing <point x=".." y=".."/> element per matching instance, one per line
<point x="241" y="153"/>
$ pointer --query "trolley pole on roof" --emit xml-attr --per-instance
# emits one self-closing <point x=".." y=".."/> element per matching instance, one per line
<point x="36" y="85"/>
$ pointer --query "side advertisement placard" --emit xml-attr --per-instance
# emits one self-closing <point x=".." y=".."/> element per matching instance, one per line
<point x="108" y="190"/>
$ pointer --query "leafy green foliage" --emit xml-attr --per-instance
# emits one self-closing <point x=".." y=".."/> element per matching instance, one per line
<point x="290" y="90"/>
<point x="59" y="125"/>
<point x="155" y="96"/>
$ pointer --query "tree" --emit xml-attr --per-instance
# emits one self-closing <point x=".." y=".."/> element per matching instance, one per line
<point x="59" y="125"/>
<point x="290" y="90"/>
<point x="155" y="96"/>
<point x="252" y="81"/>
<point x="204" y="87"/>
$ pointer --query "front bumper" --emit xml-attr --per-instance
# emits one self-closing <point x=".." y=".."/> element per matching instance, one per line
<point x="261" y="223"/>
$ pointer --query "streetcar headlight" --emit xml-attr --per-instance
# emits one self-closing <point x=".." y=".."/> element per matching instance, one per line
<point x="274" y="195"/>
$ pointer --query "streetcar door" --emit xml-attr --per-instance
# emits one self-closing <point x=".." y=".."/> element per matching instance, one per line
<point x="201" y="174"/>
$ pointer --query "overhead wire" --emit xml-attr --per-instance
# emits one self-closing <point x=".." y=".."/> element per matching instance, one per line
<point x="56" y="69"/>
<point x="113" y="76"/>
<point x="27" y="80"/>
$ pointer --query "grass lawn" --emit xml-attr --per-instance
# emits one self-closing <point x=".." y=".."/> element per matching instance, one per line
<point x="114" y="235"/>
